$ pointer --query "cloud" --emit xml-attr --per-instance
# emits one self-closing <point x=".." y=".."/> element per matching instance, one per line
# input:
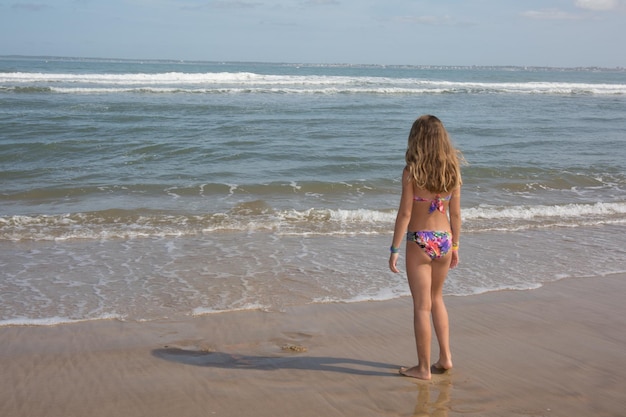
<point x="31" y="7"/>
<point x="550" y="14"/>
<point x="422" y="20"/>
<point x="597" y="5"/>
<point x="321" y="2"/>
<point x="589" y="5"/>
<point x="223" y="5"/>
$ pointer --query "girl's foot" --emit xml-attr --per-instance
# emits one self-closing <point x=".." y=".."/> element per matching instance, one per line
<point x="415" y="372"/>
<point x="441" y="367"/>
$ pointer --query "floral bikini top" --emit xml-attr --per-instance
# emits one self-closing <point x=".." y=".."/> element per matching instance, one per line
<point x="436" y="203"/>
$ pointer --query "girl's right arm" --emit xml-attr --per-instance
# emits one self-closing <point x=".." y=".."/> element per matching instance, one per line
<point x="455" y="224"/>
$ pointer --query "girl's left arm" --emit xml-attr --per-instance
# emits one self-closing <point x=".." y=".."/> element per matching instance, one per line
<point x="402" y="219"/>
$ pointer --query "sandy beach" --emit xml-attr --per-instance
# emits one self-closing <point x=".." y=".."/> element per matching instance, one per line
<point x="554" y="351"/>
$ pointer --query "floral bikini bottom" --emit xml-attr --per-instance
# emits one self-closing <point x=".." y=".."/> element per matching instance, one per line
<point x="436" y="244"/>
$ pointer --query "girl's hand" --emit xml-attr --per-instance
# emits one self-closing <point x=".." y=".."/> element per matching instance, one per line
<point x="393" y="259"/>
<point x="455" y="259"/>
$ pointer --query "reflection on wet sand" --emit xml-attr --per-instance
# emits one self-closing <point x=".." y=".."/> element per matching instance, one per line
<point x="433" y="399"/>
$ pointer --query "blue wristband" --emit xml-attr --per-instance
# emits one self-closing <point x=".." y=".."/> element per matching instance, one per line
<point x="394" y="250"/>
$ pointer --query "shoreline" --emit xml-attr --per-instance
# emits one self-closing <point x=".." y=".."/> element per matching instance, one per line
<point x="556" y="350"/>
<point x="156" y="279"/>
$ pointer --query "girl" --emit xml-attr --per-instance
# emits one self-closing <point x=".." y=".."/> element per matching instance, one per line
<point x="431" y="188"/>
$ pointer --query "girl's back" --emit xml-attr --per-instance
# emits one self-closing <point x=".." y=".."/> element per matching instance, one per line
<point x="430" y="211"/>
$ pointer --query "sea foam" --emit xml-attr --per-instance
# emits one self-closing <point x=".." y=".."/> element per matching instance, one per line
<point x="245" y="82"/>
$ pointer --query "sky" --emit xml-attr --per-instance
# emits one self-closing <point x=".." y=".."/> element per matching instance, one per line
<point x="554" y="33"/>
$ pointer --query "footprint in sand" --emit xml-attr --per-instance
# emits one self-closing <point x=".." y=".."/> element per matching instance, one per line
<point x="294" y="342"/>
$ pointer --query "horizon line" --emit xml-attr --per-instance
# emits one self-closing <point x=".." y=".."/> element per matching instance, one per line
<point x="336" y="64"/>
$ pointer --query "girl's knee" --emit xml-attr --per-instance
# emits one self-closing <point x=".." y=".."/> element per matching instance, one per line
<point x="422" y="305"/>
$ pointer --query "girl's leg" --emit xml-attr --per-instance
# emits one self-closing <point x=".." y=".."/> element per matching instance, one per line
<point x="419" y="271"/>
<point x="440" y="313"/>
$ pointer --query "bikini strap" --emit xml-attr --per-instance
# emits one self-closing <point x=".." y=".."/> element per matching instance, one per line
<point x="436" y="203"/>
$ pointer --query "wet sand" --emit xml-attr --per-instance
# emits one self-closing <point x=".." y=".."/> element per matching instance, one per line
<point x="554" y="351"/>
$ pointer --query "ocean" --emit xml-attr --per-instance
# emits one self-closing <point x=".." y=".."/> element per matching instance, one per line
<point x="149" y="190"/>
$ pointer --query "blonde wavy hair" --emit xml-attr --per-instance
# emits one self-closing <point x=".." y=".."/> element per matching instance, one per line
<point x="433" y="162"/>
